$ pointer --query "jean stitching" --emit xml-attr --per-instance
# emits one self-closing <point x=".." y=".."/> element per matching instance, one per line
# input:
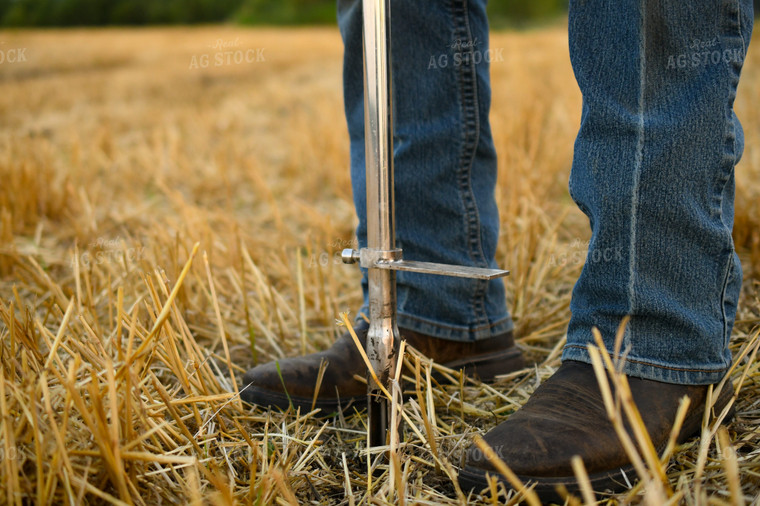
<point x="723" y="296"/>
<point x="739" y="23"/>
<point x="638" y="160"/>
<point x="467" y="79"/>
<point x="485" y="326"/>
<point x="731" y="133"/>
<point x="650" y="364"/>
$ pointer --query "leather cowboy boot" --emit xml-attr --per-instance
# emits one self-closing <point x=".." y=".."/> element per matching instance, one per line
<point x="341" y="387"/>
<point x="566" y="416"/>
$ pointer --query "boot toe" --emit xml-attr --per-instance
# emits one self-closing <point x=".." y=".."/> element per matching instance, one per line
<point x="566" y="417"/>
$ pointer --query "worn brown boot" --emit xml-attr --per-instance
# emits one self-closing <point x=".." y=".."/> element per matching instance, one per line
<point x="341" y="389"/>
<point x="566" y="416"/>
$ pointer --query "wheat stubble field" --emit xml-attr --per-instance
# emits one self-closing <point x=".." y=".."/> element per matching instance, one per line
<point x="120" y="339"/>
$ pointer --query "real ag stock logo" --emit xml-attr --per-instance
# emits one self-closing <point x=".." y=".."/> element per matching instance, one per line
<point x="226" y="53"/>
<point x="465" y="52"/>
<point x="109" y="251"/>
<point x="701" y="53"/>
<point x="11" y="54"/>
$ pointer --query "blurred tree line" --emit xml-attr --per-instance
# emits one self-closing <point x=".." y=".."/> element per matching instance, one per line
<point x="144" y="12"/>
<point x="113" y="12"/>
<point x="14" y="13"/>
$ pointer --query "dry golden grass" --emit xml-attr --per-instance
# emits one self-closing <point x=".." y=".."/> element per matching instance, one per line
<point x="119" y="339"/>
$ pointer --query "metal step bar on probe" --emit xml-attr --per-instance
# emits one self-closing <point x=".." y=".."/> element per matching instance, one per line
<point x="381" y="258"/>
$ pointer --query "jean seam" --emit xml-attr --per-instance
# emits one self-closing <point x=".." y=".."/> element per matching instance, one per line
<point x="723" y="296"/>
<point x="638" y="160"/>
<point x="726" y="177"/>
<point x="467" y="81"/>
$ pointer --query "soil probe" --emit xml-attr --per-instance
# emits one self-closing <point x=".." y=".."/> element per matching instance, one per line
<point x="381" y="257"/>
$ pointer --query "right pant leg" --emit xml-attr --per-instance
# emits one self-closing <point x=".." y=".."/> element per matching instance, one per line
<point x="654" y="171"/>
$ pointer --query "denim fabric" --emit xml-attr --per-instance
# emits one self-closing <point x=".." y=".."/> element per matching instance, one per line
<point x="653" y="170"/>
<point x="445" y="161"/>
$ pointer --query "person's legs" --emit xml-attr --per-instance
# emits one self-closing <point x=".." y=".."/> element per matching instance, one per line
<point x="653" y="170"/>
<point x="445" y="176"/>
<point x="445" y="162"/>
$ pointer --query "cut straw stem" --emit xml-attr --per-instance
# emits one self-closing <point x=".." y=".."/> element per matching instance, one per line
<point x="220" y="326"/>
<point x="731" y="466"/>
<point x="424" y="413"/>
<point x="163" y="315"/>
<point x="528" y="493"/>
<point x="583" y="480"/>
<point x="359" y="346"/>
<point x="301" y="300"/>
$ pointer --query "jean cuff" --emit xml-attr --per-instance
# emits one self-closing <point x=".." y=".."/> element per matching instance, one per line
<point x="654" y="370"/>
<point x="447" y="331"/>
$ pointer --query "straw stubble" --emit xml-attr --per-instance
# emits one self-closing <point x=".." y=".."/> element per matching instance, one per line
<point x="120" y="349"/>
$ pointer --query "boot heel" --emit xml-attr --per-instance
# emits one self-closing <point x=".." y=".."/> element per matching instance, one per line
<point x="487" y="367"/>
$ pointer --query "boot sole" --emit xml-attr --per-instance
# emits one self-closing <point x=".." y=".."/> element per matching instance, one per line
<point x="471" y="478"/>
<point x="328" y="407"/>
<point x="484" y="367"/>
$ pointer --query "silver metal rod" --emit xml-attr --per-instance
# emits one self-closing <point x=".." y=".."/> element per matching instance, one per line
<point x="378" y="135"/>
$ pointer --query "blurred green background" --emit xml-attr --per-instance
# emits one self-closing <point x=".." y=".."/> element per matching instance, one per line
<point x="18" y="13"/>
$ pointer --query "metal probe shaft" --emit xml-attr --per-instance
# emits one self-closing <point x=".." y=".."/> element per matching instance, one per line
<point x="380" y="257"/>
<point x="378" y="134"/>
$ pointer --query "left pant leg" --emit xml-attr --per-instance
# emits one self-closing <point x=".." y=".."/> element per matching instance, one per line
<point x="445" y="161"/>
<point x="654" y="171"/>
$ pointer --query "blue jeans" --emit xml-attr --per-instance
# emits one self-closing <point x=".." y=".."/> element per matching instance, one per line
<point x="653" y="171"/>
